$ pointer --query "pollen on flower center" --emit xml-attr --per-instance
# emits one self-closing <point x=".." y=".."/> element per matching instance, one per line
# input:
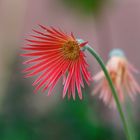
<point x="71" y="50"/>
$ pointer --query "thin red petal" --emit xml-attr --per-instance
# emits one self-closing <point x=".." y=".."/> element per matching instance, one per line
<point x="83" y="44"/>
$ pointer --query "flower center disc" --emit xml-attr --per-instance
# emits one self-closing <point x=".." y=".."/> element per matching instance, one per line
<point x="71" y="50"/>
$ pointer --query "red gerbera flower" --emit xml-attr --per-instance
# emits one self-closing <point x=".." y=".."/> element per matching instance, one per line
<point x="53" y="55"/>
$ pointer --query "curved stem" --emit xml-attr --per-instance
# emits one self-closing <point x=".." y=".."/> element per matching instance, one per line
<point x="122" y="116"/>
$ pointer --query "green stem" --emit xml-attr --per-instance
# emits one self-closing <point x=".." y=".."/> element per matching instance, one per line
<point x="122" y="116"/>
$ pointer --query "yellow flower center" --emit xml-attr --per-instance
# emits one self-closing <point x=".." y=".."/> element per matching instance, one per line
<point x="118" y="75"/>
<point x="113" y="76"/>
<point x="71" y="50"/>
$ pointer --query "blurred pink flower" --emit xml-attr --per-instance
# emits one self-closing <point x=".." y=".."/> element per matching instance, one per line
<point x="121" y="73"/>
<point x="54" y="54"/>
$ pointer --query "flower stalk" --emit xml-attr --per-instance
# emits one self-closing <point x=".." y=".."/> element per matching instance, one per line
<point x="118" y="104"/>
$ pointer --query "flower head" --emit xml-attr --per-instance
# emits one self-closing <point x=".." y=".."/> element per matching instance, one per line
<point x="53" y="54"/>
<point x="121" y="73"/>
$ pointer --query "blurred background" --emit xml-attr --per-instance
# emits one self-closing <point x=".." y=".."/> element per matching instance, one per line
<point x="106" y="24"/>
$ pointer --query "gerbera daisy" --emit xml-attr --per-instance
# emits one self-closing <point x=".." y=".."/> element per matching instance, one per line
<point x="121" y="73"/>
<point x="53" y="54"/>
